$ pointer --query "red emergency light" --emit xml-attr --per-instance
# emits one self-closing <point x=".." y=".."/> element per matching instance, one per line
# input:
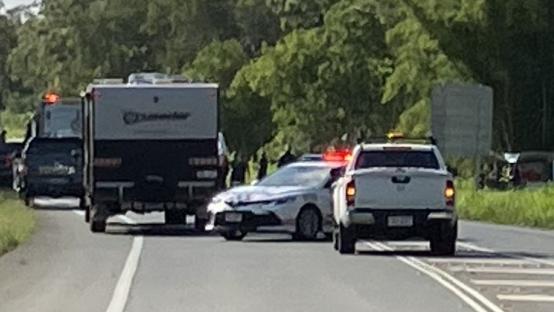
<point x="51" y="98"/>
<point x="338" y="156"/>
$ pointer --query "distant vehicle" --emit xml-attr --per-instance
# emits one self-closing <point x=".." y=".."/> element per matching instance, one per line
<point x="151" y="147"/>
<point x="51" y="167"/>
<point x="295" y="199"/>
<point x="396" y="190"/>
<point x="330" y="155"/>
<point x="57" y="117"/>
<point x="311" y="157"/>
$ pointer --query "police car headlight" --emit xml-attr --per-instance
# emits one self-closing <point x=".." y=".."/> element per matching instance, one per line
<point x="284" y="200"/>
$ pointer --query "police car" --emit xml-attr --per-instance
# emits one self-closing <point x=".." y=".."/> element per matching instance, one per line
<point x="296" y="199"/>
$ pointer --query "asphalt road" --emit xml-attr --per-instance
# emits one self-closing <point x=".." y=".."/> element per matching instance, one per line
<point x="149" y="267"/>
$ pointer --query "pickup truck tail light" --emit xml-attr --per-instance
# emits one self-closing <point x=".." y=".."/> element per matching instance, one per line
<point x="450" y="193"/>
<point x="350" y="193"/>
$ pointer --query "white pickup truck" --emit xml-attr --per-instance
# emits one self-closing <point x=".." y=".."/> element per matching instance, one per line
<point x="395" y="191"/>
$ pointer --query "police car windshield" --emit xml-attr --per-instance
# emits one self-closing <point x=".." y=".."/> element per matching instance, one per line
<point x="308" y="176"/>
<point x="405" y="159"/>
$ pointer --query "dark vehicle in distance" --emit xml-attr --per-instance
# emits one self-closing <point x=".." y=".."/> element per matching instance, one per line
<point x="52" y="167"/>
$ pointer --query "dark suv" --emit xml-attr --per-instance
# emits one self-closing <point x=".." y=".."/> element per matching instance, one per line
<point x="52" y="167"/>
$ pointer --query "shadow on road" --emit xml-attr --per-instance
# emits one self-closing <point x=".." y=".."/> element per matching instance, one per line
<point x="465" y="254"/>
<point x="283" y="240"/>
<point x="154" y="229"/>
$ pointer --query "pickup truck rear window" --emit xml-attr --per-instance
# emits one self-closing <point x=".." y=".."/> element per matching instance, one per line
<point x="405" y="159"/>
<point x="41" y="148"/>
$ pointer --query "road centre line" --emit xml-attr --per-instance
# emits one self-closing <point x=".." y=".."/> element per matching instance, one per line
<point x="526" y="298"/>
<point x="123" y="286"/>
<point x="440" y="278"/>
<point x="515" y="283"/>
<point x="499" y="261"/>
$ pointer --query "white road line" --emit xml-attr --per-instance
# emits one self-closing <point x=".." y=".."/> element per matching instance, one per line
<point x="504" y="270"/>
<point x="482" y="299"/>
<point x="514" y="283"/>
<point x="435" y="274"/>
<point x="123" y="287"/>
<point x="474" y="247"/>
<point x="500" y="261"/>
<point x="486" y="250"/>
<point x="526" y="298"/>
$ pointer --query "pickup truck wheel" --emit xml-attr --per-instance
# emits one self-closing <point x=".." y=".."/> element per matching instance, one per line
<point x="175" y="217"/>
<point x="308" y="224"/>
<point x="233" y="235"/>
<point x="346" y="241"/>
<point x="444" y="243"/>
<point x="98" y="218"/>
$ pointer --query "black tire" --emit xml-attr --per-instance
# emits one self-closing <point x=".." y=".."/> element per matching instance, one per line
<point x="98" y="218"/>
<point x="444" y="241"/>
<point x="233" y="235"/>
<point x="346" y="242"/>
<point x="28" y="200"/>
<point x="308" y="224"/>
<point x="175" y="217"/>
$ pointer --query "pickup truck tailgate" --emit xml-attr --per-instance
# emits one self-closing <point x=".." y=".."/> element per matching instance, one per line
<point x="396" y="188"/>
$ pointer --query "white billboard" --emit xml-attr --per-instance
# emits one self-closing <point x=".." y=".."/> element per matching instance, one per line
<point x="61" y="121"/>
<point x="461" y="119"/>
<point x="156" y="112"/>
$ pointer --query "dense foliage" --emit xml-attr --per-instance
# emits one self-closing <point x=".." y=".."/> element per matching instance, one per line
<point x="296" y="72"/>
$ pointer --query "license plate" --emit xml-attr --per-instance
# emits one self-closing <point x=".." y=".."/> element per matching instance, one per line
<point x="233" y="217"/>
<point x="400" y="221"/>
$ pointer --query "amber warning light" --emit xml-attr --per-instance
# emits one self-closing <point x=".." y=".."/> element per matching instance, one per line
<point x="51" y="98"/>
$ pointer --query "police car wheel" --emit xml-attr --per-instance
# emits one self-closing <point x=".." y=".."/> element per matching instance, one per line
<point x="308" y="224"/>
<point x="234" y="235"/>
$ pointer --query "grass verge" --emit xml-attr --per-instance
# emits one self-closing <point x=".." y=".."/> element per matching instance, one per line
<point x="531" y="207"/>
<point x="16" y="222"/>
